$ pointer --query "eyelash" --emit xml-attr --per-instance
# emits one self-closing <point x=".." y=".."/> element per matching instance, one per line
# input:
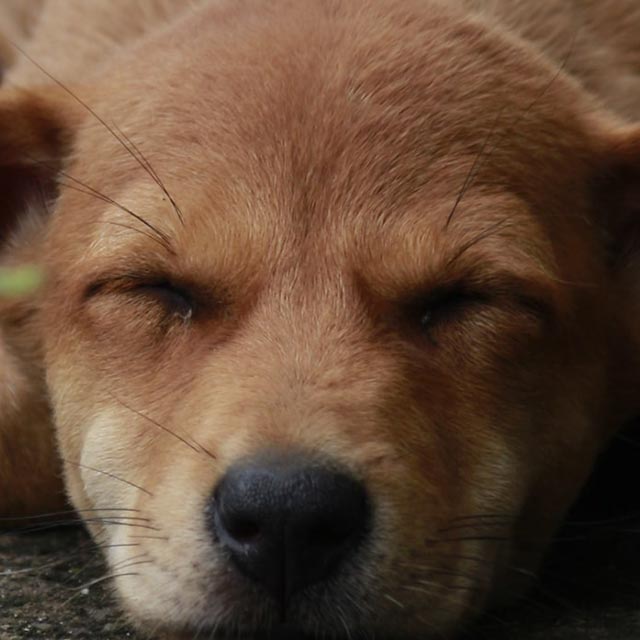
<point x="426" y="313"/>
<point x="438" y="308"/>
<point x="175" y="300"/>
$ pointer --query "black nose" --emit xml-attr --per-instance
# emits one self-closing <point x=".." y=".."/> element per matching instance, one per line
<point x="287" y="522"/>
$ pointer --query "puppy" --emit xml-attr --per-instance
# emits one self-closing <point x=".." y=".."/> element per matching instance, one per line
<point x="340" y="297"/>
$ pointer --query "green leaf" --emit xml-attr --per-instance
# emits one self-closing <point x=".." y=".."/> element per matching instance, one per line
<point x="19" y="281"/>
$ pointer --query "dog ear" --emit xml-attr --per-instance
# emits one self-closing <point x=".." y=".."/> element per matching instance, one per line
<point x="617" y="203"/>
<point x="36" y="133"/>
<point x="617" y="196"/>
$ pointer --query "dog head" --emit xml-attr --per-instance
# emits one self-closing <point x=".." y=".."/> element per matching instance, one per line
<point x="337" y="315"/>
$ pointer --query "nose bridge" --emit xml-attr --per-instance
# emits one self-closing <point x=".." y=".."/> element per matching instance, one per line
<point x="331" y="386"/>
<point x="308" y="370"/>
<point x="317" y="322"/>
<point x="322" y="357"/>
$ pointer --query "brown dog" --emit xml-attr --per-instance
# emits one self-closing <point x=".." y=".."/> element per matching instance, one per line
<point x="341" y="296"/>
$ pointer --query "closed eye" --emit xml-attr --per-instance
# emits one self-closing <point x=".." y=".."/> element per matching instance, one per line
<point x="434" y="309"/>
<point x="504" y="305"/>
<point x="174" y="300"/>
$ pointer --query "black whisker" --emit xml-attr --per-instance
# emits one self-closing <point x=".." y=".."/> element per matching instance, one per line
<point x="117" y="545"/>
<point x="109" y="475"/>
<point x="126" y="561"/>
<point x="156" y="423"/>
<point x="142" y="231"/>
<point x="152" y="172"/>
<point x="48" y="565"/>
<point x="56" y="514"/>
<point x="482" y="154"/>
<point x="139" y="159"/>
<point x="475" y="167"/>
<point x="487" y="233"/>
<point x="165" y="538"/>
<point x="206" y="451"/>
<point x="90" y="191"/>
<point x="122" y="522"/>
<point x="58" y="524"/>
<point x="82" y="187"/>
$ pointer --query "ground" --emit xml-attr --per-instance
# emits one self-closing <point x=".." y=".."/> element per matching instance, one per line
<point x="51" y="587"/>
<point x="42" y="592"/>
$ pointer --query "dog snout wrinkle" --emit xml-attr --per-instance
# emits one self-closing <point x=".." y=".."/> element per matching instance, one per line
<point x="288" y="523"/>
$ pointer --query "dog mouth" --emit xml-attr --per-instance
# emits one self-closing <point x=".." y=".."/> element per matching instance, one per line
<point x="298" y="625"/>
<point x="292" y="545"/>
<point x="354" y="603"/>
<point x="317" y="613"/>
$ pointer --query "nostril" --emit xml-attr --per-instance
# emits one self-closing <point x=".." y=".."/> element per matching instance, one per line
<point x="243" y="530"/>
<point x="236" y="525"/>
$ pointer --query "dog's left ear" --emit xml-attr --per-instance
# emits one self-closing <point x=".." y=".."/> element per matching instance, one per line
<point x="617" y="197"/>
<point x="616" y="190"/>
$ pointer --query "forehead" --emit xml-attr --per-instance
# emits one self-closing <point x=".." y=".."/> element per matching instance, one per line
<point x="318" y="123"/>
<point x="233" y="237"/>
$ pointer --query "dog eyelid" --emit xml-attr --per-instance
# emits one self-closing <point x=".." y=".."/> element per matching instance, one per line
<point x="436" y="307"/>
<point x="453" y="303"/>
<point x="177" y="300"/>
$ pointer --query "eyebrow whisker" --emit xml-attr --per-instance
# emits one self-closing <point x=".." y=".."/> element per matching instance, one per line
<point x="142" y="231"/>
<point x="136" y="155"/>
<point x="483" y="235"/>
<point x="90" y="191"/>
<point x="483" y="154"/>
<point x="81" y="187"/>
<point x="475" y="168"/>
<point x="144" y="162"/>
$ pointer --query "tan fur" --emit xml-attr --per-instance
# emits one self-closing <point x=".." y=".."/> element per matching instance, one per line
<point x="314" y="151"/>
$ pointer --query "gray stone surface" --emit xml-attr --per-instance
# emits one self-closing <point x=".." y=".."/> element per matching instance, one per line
<point x="48" y="591"/>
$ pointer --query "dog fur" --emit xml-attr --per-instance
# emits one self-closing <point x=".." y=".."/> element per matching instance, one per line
<point x="400" y="235"/>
